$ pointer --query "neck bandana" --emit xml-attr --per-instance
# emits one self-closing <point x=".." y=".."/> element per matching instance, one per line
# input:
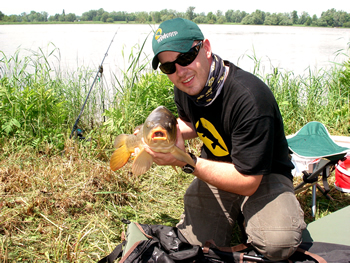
<point x="214" y="83"/>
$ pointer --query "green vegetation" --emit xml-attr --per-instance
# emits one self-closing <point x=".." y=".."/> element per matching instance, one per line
<point x="60" y="202"/>
<point x="330" y="18"/>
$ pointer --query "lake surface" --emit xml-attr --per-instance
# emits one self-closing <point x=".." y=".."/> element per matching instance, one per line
<point x="288" y="48"/>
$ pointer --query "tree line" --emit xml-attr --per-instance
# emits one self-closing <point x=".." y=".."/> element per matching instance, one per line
<point x="329" y="18"/>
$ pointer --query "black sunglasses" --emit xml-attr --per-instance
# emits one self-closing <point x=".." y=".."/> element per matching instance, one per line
<point x="183" y="60"/>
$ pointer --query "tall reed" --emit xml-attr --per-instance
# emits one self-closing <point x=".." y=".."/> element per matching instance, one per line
<point x="40" y="102"/>
<point x="138" y="93"/>
<point x="321" y="95"/>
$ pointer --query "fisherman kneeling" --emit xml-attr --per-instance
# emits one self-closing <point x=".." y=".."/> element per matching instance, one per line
<point x="244" y="165"/>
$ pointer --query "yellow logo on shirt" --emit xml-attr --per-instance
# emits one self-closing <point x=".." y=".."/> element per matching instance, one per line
<point x="211" y="138"/>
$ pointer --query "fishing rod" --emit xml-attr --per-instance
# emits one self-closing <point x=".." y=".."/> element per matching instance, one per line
<point x="100" y="70"/>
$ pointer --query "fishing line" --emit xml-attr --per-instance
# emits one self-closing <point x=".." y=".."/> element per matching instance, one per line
<point x="99" y="71"/>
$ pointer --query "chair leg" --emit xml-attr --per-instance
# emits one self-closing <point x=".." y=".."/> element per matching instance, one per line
<point x="313" y="208"/>
<point x="322" y="168"/>
<point x="324" y="192"/>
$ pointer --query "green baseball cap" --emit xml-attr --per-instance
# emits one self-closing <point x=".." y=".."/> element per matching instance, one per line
<point x="174" y="35"/>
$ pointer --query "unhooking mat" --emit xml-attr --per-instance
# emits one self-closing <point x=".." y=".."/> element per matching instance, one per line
<point x="333" y="228"/>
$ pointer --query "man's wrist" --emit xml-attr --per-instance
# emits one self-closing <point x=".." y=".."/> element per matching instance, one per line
<point x="187" y="168"/>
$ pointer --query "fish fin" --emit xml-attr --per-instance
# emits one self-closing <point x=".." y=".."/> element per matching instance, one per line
<point x="122" y="154"/>
<point x="174" y="167"/>
<point x="120" y="140"/>
<point x="182" y="156"/>
<point x="142" y="163"/>
<point x="119" y="158"/>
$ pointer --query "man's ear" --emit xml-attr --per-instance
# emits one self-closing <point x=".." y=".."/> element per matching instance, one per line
<point x="207" y="47"/>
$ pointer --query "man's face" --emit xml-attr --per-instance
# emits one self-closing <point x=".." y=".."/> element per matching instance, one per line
<point x="190" y="79"/>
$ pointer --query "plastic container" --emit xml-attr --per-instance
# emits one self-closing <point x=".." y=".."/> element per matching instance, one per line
<point x="342" y="175"/>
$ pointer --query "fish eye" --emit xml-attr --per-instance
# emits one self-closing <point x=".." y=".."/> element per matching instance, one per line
<point x="148" y="124"/>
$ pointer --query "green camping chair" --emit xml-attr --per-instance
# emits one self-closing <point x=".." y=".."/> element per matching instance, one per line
<point x="314" y="141"/>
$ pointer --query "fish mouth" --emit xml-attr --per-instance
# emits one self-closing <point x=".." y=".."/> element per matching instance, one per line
<point x="159" y="134"/>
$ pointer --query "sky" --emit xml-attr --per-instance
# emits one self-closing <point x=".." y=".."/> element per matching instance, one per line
<point x="16" y="7"/>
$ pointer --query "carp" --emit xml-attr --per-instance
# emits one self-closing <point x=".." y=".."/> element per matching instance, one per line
<point x="159" y="133"/>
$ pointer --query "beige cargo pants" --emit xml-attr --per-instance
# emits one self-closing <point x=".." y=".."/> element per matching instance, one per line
<point x="274" y="220"/>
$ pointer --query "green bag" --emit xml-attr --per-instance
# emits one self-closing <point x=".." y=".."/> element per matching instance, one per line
<point x="134" y="236"/>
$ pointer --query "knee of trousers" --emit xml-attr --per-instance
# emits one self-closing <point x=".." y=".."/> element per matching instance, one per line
<point x="278" y="245"/>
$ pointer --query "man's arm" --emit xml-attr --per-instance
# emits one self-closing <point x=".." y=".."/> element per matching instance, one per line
<point x="187" y="130"/>
<point x="224" y="176"/>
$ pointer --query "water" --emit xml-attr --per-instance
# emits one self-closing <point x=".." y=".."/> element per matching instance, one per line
<point x="79" y="45"/>
<point x="287" y="48"/>
<point x="294" y="49"/>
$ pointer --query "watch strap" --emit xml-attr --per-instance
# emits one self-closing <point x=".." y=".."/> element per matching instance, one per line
<point x="189" y="168"/>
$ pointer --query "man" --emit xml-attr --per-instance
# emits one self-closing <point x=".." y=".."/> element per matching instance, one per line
<point x="244" y="165"/>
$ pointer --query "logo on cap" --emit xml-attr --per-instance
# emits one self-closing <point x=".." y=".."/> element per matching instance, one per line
<point x="159" y="37"/>
<point x="158" y="33"/>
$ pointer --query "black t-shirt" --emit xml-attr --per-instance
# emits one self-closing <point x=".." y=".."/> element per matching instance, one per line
<point x="242" y="126"/>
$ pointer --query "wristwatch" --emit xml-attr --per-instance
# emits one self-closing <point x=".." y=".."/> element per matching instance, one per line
<point x="189" y="168"/>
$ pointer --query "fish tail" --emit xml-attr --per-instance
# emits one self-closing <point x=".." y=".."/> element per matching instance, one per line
<point x="121" y="155"/>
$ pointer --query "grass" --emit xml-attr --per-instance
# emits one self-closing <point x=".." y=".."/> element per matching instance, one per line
<point x="60" y="202"/>
<point x="67" y="208"/>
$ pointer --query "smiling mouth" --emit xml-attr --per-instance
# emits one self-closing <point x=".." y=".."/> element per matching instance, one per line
<point x="188" y="80"/>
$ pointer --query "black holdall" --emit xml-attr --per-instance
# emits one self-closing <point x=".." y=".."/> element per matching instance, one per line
<point x="163" y="244"/>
